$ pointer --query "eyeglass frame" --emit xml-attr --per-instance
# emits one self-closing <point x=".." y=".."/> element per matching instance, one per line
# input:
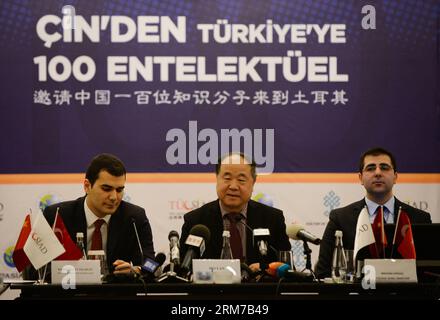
<point x="385" y="167"/>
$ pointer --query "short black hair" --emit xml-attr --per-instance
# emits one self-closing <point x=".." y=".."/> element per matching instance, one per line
<point x="376" y="152"/>
<point x="104" y="162"/>
<point x="243" y="156"/>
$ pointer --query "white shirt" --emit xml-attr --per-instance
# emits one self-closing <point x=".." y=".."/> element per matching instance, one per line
<point x="389" y="205"/>
<point x="90" y="220"/>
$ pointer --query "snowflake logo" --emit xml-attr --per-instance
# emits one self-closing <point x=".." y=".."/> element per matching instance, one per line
<point x="331" y="201"/>
<point x="298" y="254"/>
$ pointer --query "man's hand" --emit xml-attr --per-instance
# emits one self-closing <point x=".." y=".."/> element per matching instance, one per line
<point x="123" y="267"/>
<point x="255" y="267"/>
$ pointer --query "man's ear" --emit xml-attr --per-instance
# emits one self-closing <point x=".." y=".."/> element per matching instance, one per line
<point x="87" y="186"/>
<point x="360" y="177"/>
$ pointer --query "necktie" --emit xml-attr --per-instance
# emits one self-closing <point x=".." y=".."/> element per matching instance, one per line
<point x="96" y="236"/>
<point x="379" y="233"/>
<point x="236" y="246"/>
<point x="386" y="214"/>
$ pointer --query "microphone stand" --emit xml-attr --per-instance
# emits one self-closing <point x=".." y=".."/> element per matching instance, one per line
<point x="171" y="276"/>
<point x="307" y="253"/>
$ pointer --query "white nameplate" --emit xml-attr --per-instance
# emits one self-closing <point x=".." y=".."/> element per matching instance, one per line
<point x="392" y="270"/>
<point x="216" y="271"/>
<point x="261" y="232"/>
<point x="83" y="271"/>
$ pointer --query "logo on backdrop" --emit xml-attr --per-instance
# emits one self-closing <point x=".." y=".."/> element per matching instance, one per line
<point x="126" y="198"/>
<point x="181" y="206"/>
<point x="298" y="254"/>
<point x="263" y="198"/>
<point x="48" y="200"/>
<point x="2" y="206"/>
<point x="419" y="204"/>
<point x="331" y="201"/>
<point x="7" y="257"/>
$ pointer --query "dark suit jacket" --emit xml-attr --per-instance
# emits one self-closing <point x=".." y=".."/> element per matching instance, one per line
<point x="121" y="239"/>
<point x="258" y="216"/>
<point x="345" y="219"/>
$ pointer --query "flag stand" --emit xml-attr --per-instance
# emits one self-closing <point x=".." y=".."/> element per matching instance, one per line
<point x="41" y="275"/>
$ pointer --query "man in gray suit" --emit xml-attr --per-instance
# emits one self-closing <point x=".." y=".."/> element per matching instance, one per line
<point x="378" y="174"/>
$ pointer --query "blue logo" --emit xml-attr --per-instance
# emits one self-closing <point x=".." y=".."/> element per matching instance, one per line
<point x="150" y="265"/>
<point x="7" y="257"/>
<point x="264" y="199"/>
<point x="1" y="209"/>
<point x="331" y="201"/>
<point x="47" y="200"/>
<point x="298" y="255"/>
<point x="126" y="198"/>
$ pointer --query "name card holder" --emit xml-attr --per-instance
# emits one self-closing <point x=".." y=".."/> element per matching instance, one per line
<point x="216" y="271"/>
<point x="82" y="271"/>
<point x="391" y="270"/>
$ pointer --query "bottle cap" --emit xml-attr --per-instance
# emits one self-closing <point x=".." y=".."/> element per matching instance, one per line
<point x="80" y="235"/>
<point x="226" y="233"/>
<point x="338" y="233"/>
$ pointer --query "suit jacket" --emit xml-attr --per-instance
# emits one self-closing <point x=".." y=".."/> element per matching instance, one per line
<point x="345" y="219"/>
<point x="258" y="216"/>
<point x="121" y="239"/>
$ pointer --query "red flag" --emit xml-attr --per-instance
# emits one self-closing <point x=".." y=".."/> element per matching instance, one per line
<point x="72" y="251"/>
<point x="404" y="237"/>
<point x="378" y="249"/>
<point x="20" y="258"/>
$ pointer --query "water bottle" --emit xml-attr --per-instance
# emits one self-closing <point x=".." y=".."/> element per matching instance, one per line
<point x="339" y="263"/>
<point x="80" y="244"/>
<point x="226" y="250"/>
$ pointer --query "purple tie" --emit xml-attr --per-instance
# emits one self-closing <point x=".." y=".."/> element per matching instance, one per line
<point x="236" y="245"/>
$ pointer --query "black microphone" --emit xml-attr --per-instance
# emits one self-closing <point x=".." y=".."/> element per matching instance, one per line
<point x="160" y="259"/>
<point x="198" y="237"/>
<point x="239" y="218"/>
<point x="297" y="232"/>
<point x="173" y="237"/>
<point x="151" y="267"/>
<point x="133" y="221"/>
<point x="247" y="274"/>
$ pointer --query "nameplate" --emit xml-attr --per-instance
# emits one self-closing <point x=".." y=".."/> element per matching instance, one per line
<point x="81" y="271"/>
<point x="216" y="271"/>
<point x="391" y="270"/>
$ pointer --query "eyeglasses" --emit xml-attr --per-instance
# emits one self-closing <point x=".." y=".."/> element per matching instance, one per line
<point x="383" y="167"/>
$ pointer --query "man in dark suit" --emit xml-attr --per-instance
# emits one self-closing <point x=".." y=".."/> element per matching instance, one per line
<point x="105" y="219"/>
<point x="378" y="174"/>
<point x="236" y="177"/>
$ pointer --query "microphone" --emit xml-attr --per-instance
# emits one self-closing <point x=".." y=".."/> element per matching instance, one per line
<point x="133" y="221"/>
<point x="297" y="232"/>
<point x="151" y="267"/>
<point x="282" y="270"/>
<point x="173" y="237"/>
<point x="261" y="236"/>
<point x="248" y="273"/>
<point x="160" y="259"/>
<point x="198" y="236"/>
<point x="277" y="269"/>
<point x="239" y="218"/>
